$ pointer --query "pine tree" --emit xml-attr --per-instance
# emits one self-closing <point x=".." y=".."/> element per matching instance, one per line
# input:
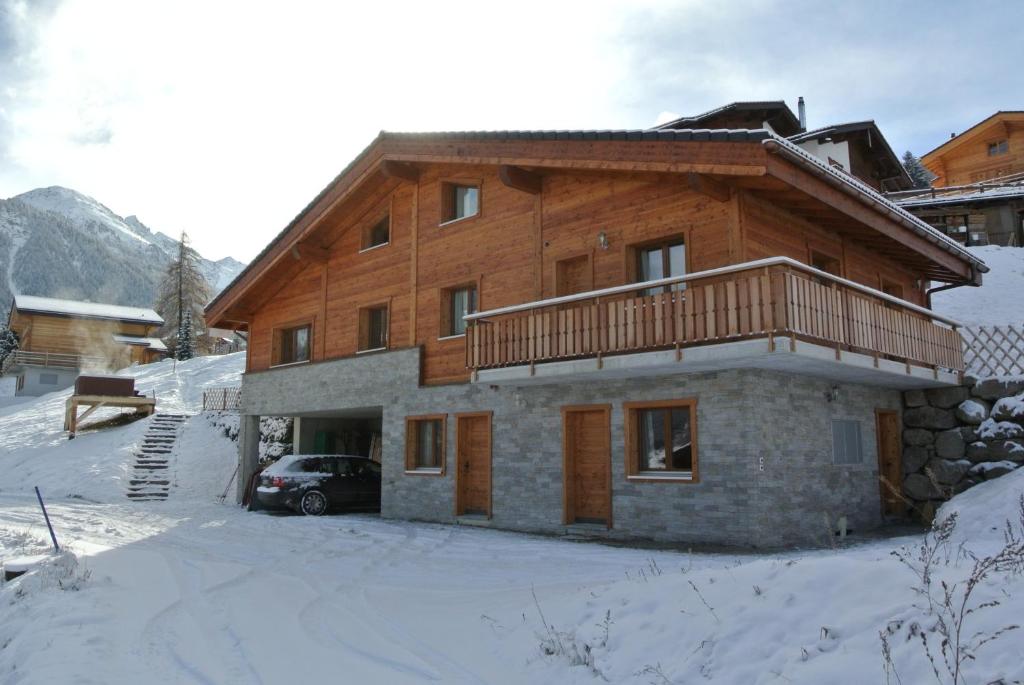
<point x="185" y="347"/>
<point x="9" y="343"/>
<point x="921" y="177"/>
<point x="183" y="294"/>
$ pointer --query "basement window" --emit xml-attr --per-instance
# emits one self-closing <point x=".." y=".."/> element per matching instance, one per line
<point x="291" y="345"/>
<point x="1000" y="147"/>
<point x="459" y="201"/>
<point x="661" y="440"/>
<point x="377" y="234"/>
<point x="425" y="444"/>
<point x="846" y="443"/>
<point x="373" y="328"/>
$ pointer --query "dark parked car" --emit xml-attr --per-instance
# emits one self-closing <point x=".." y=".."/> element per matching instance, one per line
<point x="316" y="484"/>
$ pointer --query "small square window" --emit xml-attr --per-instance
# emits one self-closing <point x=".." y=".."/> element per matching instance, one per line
<point x="291" y="345"/>
<point x="373" y="328"/>
<point x="425" y="444"/>
<point x="457" y="303"/>
<point x="1000" y="147"/>
<point x="459" y="201"/>
<point x="377" y="234"/>
<point x="661" y="439"/>
<point x="846" y="442"/>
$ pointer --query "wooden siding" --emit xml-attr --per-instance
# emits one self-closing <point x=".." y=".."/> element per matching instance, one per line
<point x="44" y="333"/>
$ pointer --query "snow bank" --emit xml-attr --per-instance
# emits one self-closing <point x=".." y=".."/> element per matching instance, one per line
<point x="998" y="301"/>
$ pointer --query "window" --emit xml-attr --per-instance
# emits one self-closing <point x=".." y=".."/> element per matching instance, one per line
<point x="291" y="345"/>
<point x="661" y="260"/>
<point x="661" y="439"/>
<point x="425" y="444"/>
<point x="373" y="328"/>
<point x="459" y="201"/>
<point x="846" y="444"/>
<point x="377" y="234"/>
<point x="825" y="262"/>
<point x="892" y="288"/>
<point x="48" y="379"/>
<point x="1000" y="147"/>
<point x="456" y="303"/>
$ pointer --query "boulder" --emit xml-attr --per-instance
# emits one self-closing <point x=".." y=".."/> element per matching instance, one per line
<point x="918" y="486"/>
<point x="990" y="470"/>
<point x="999" y="430"/>
<point x="914" y="458"/>
<point x="918" y="437"/>
<point x="946" y="398"/>
<point x="996" y="450"/>
<point x="965" y="484"/>
<point x="929" y="417"/>
<point x="914" y="398"/>
<point x="970" y="433"/>
<point x="948" y="472"/>
<point x="1009" y="409"/>
<point x="973" y="411"/>
<point x="950" y="444"/>
<point x="993" y="389"/>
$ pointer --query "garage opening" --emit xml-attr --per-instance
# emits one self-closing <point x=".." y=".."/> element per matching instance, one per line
<point x="354" y="432"/>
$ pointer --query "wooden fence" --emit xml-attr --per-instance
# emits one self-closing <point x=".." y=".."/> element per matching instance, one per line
<point x="222" y="399"/>
<point x="994" y="350"/>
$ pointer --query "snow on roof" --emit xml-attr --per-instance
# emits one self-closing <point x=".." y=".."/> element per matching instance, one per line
<point x="85" y="310"/>
<point x="1003" y="188"/>
<point x="152" y="343"/>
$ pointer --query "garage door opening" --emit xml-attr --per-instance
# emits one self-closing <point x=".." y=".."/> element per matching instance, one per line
<point x="353" y="432"/>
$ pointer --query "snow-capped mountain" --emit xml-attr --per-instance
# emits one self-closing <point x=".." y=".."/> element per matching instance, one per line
<point x="57" y="242"/>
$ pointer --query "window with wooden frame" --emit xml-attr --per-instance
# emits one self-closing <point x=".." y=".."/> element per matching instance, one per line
<point x="292" y="344"/>
<point x="826" y="262"/>
<point x="661" y="259"/>
<point x="459" y="201"/>
<point x="457" y="302"/>
<point x="1000" y="147"/>
<point x="373" y="328"/>
<point x="661" y="440"/>
<point x="891" y="288"/>
<point x="425" y="444"/>
<point x="376" y="234"/>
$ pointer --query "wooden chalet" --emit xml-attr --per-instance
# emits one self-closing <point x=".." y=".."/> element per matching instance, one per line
<point x="59" y="338"/>
<point x="537" y="323"/>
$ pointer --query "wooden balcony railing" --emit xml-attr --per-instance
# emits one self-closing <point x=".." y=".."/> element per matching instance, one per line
<point x="768" y="298"/>
<point x="53" y="360"/>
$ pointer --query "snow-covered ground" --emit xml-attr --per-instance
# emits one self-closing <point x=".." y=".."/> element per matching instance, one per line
<point x="1000" y="299"/>
<point x="192" y="590"/>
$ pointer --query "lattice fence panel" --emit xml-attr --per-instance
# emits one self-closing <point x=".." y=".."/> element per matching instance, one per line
<point x="994" y="350"/>
<point x="222" y="399"/>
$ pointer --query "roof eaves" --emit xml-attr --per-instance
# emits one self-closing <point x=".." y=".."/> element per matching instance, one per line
<point x="960" y="137"/>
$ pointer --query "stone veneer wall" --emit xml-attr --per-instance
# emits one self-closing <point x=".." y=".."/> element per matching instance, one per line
<point x="955" y="438"/>
<point x="764" y="448"/>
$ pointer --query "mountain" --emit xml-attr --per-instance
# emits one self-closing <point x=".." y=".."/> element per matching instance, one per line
<point x="56" y="242"/>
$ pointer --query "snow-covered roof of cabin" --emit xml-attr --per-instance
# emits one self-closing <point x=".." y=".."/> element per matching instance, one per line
<point x="993" y="190"/>
<point x="152" y="343"/>
<point x="85" y="310"/>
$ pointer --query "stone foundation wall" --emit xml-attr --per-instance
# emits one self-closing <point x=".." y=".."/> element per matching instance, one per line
<point x="955" y="438"/>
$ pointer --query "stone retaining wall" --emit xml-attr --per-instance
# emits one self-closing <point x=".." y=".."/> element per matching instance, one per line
<point x="955" y="438"/>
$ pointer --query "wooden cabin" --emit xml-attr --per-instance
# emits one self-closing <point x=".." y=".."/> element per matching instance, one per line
<point x="990" y="149"/>
<point x="539" y="325"/>
<point x="59" y="338"/>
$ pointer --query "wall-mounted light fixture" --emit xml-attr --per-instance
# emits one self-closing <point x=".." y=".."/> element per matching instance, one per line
<point x="602" y="240"/>
<point x="832" y="394"/>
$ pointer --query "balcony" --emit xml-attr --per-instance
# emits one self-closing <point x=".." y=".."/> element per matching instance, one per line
<point x="773" y="313"/>
<point x="54" y="360"/>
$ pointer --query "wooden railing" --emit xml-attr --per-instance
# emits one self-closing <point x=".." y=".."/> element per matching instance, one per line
<point x="222" y="399"/>
<point x="53" y="360"/>
<point x="767" y="298"/>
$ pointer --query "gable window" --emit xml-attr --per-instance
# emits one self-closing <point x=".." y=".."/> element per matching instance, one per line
<point x="456" y="303"/>
<point x="846" y="443"/>
<point x="1000" y="147"/>
<point x="373" y="328"/>
<point x="661" y="439"/>
<point x="661" y="260"/>
<point x="425" y="444"/>
<point x="291" y="345"/>
<point x="459" y="201"/>
<point x="377" y="234"/>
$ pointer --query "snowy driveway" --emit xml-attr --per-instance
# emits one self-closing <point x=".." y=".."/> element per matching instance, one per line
<point x="212" y="594"/>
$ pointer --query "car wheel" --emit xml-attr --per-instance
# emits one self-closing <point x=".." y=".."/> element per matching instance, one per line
<point x="314" y="503"/>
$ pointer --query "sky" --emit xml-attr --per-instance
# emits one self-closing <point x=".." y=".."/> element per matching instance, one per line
<point x="224" y="119"/>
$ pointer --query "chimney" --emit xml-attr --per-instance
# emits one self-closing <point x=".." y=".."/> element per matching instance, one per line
<point x="952" y="136"/>
<point x="802" y="110"/>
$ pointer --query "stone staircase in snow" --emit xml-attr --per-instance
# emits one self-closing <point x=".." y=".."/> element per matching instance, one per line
<point x="150" y="478"/>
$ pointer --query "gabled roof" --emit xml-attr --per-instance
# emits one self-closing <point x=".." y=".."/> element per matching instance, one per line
<point x="973" y="131"/>
<point x="867" y="129"/>
<point x="86" y="310"/>
<point x="775" y="112"/>
<point x="140" y="341"/>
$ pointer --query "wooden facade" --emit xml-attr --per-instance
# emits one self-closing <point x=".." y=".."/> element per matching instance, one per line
<point x="554" y="216"/>
<point x="990" y="149"/>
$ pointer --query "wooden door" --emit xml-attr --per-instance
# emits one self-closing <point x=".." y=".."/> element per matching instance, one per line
<point x="473" y="470"/>
<point x="890" y="464"/>
<point x="573" y="275"/>
<point x="587" y="486"/>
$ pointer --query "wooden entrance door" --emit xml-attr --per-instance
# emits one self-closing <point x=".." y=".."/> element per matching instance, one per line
<point x="473" y="470"/>
<point x="586" y="447"/>
<point x="573" y="275"/>
<point x="890" y="463"/>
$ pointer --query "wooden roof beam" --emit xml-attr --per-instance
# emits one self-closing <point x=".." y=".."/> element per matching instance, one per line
<point x="400" y="170"/>
<point x="700" y="183"/>
<point x="519" y="178"/>
<point x="309" y="253"/>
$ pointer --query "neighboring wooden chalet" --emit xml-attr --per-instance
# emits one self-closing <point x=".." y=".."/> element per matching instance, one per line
<point x="977" y="196"/>
<point x="60" y="338"/>
<point x="538" y="326"/>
